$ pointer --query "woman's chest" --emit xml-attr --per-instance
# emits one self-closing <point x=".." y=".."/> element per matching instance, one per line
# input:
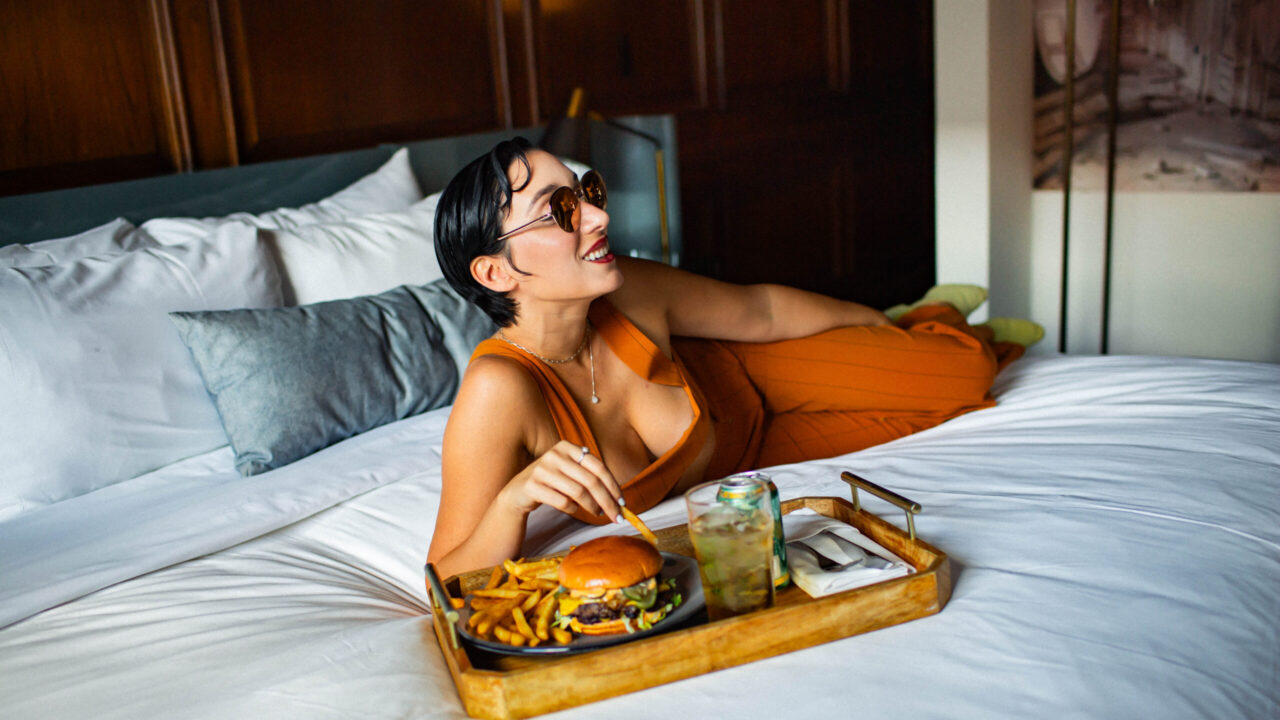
<point x="635" y="421"/>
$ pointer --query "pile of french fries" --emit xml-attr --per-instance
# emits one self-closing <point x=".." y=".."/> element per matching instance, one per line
<point x="519" y="609"/>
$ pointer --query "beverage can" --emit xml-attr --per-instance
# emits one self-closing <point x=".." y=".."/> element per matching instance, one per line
<point x="738" y="491"/>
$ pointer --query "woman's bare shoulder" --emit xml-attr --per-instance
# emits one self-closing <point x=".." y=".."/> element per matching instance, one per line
<point x="643" y="296"/>
<point x="499" y="416"/>
<point x="496" y="379"/>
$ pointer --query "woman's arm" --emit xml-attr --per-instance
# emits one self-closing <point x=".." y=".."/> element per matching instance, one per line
<point x="697" y="306"/>
<point x="490" y="485"/>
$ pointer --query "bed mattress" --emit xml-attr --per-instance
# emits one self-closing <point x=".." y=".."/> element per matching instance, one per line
<point x="1114" y="525"/>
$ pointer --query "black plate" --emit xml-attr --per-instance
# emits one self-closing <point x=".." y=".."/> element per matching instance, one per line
<point x="684" y="569"/>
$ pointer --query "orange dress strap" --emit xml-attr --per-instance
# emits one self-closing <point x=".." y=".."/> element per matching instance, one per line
<point x="570" y="424"/>
<point x="652" y="485"/>
<point x="643" y="357"/>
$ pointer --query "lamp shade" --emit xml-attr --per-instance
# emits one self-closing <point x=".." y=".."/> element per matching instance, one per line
<point x="569" y="135"/>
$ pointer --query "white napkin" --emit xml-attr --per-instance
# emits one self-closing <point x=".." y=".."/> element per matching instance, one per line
<point x="806" y="531"/>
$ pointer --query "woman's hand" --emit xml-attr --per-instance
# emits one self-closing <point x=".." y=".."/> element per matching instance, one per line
<point x="478" y="529"/>
<point x="566" y="477"/>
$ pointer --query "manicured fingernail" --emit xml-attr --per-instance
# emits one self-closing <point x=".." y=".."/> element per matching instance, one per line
<point x="618" y="519"/>
<point x="622" y="502"/>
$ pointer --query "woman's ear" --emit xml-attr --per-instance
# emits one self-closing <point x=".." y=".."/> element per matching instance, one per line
<point x="490" y="271"/>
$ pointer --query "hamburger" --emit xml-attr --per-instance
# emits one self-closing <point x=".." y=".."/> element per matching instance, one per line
<point x="610" y="585"/>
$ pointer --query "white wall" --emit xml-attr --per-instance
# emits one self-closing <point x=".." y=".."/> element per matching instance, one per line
<point x="1193" y="274"/>
<point x="961" y="151"/>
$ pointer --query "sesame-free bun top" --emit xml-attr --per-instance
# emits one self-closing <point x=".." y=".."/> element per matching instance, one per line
<point x="608" y="563"/>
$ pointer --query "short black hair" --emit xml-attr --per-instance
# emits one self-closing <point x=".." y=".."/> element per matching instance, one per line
<point x="469" y="220"/>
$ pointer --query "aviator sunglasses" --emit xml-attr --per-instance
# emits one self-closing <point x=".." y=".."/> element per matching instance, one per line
<point x="564" y="204"/>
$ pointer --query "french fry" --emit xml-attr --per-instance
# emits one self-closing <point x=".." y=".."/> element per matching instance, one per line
<point x="531" y="602"/>
<point x="542" y="616"/>
<point x="638" y="524"/>
<point x="533" y="568"/>
<point x="505" y="593"/>
<point x="485" y="624"/>
<point x="479" y="604"/>
<point x="522" y="625"/>
<point x="457" y="603"/>
<point x="494" y="578"/>
<point x="519" y="608"/>
<point x="502" y="611"/>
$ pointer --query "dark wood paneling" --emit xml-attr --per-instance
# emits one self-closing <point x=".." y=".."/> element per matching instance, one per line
<point x="83" y="95"/>
<point x="774" y="50"/>
<point x="805" y="127"/>
<point x="311" y="76"/>
<point x="780" y="223"/>
<point x="632" y="57"/>
<point x="824" y="117"/>
<point x="522" y="68"/>
<point x="202" y="66"/>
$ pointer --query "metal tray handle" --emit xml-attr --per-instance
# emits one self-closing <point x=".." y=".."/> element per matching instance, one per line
<point x="440" y="601"/>
<point x="910" y="507"/>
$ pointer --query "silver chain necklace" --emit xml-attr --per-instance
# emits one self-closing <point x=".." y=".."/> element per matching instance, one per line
<point x="591" y="358"/>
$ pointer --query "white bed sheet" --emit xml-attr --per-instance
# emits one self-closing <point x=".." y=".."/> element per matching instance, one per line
<point x="1114" y="526"/>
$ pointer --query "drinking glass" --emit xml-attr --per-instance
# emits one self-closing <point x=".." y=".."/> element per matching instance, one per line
<point x="732" y="535"/>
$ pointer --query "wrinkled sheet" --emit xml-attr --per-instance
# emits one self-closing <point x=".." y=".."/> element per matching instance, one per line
<point x="1114" y="528"/>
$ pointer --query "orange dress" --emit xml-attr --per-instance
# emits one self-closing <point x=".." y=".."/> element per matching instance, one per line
<point x="772" y="403"/>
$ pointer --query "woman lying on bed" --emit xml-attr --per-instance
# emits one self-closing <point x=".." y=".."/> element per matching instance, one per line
<point x="599" y="392"/>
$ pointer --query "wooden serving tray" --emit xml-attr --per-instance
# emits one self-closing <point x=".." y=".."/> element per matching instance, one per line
<point x="503" y="686"/>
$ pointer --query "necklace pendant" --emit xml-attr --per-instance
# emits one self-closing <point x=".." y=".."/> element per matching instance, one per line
<point x="595" y="399"/>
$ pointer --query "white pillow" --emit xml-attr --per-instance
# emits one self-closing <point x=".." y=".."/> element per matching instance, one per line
<point x="360" y="256"/>
<point x="392" y="188"/>
<point x="116" y="236"/>
<point x="97" y="386"/>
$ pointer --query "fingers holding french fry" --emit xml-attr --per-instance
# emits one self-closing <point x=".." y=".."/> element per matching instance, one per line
<point x="639" y="525"/>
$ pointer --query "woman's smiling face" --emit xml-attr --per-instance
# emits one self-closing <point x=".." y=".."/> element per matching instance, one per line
<point x="546" y="259"/>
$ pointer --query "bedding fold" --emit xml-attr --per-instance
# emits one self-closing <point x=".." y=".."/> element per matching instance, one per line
<point x="201" y="505"/>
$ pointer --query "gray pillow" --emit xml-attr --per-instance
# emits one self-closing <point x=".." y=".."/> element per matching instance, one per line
<point x="290" y="381"/>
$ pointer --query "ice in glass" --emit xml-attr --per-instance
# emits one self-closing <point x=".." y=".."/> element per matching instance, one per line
<point x="733" y="539"/>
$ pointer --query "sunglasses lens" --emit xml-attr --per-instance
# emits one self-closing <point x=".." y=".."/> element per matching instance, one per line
<point x="564" y="204"/>
<point x="593" y="189"/>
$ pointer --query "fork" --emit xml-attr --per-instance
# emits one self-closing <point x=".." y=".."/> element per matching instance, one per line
<point x="826" y="564"/>
<point x="857" y="555"/>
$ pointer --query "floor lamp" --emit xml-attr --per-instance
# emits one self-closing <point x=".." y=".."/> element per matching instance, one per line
<point x="569" y="135"/>
<point x="1068" y="156"/>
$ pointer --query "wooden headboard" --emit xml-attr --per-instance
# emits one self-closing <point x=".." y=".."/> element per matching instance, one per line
<point x="626" y="163"/>
<point x="821" y="108"/>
